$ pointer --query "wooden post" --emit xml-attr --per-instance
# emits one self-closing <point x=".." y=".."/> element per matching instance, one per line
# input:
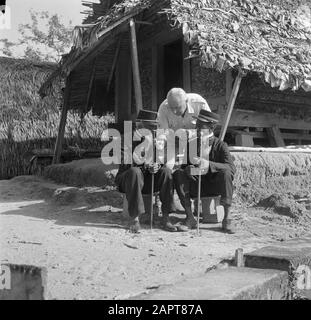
<point x="239" y="258"/>
<point x="275" y="137"/>
<point x="135" y="65"/>
<point x="62" y="124"/>
<point x="89" y="92"/>
<point x="114" y="63"/>
<point x="231" y="103"/>
<point x="229" y="81"/>
<point x="123" y="87"/>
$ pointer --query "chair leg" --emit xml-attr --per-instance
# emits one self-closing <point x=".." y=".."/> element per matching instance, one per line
<point x="125" y="207"/>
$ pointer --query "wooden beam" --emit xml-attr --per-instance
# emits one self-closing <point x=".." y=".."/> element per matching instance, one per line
<point x="186" y="67"/>
<point x="62" y="124"/>
<point x="155" y="77"/>
<point x="263" y="135"/>
<point x="229" y="81"/>
<point x="231" y="103"/>
<point x="89" y="92"/>
<point x="135" y="65"/>
<point x="114" y="63"/>
<point x="123" y="87"/>
<point x="102" y="43"/>
<point x="275" y="137"/>
<point x="144" y="22"/>
<point x="273" y="150"/>
<point x="255" y="119"/>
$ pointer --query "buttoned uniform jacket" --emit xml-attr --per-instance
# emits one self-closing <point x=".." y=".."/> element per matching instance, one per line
<point x="219" y="157"/>
<point x="135" y="163"/>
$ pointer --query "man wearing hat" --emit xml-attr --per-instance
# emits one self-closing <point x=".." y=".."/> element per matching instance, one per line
<point x="217" y="169"/>
<point x="135" y="179"/>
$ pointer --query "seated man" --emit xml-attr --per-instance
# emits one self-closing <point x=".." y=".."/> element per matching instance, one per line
<point x="135" y="179"/>
<point x="217" y="168"/>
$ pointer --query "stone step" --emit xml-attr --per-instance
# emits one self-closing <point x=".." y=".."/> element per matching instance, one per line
<point x="293" y="256"/>
<point x="285" y="256"/>
<point x="227" y="284"/>
<point x="22" y="282"/>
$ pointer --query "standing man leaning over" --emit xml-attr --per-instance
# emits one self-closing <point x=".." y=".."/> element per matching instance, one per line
<point x="179" y="108"/>
<point x="178" y="111"/>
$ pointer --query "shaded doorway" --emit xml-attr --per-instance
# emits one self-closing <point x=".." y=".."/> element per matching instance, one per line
<point x="172" y="68"/>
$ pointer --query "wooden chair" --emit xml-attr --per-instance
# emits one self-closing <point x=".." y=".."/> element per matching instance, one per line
<point x="211" y="209"/>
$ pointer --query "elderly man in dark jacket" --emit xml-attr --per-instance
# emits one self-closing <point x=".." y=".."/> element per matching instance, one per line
<point x="218" y="171"/>
<point x="135" y="179"/>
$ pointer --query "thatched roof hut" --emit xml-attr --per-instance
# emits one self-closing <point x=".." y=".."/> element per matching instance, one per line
<point x="20" y="81"/>
<point x="271" y="38"/>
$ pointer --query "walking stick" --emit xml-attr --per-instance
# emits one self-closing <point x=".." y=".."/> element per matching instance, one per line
<point x="151" y="205"/>
<point x="152" y="183"/>
<point x="199" y="183"/>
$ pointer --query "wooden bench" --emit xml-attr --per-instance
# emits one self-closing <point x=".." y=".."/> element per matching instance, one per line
<point x="252" y="127"/>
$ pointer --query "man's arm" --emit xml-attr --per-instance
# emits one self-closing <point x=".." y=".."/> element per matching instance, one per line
<point x="226" y="160"/>
<point x="162" y="116"/>
<point x="199" y="101"/>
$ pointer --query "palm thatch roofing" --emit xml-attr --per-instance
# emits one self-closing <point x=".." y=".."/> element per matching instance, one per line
<point x="20" y="81"/>
<point x="270" y="37"/>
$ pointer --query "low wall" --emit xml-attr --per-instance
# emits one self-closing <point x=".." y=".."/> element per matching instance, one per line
<point x="82" y="173"/>
<point x="262" y="174"/>
<point x="258" y="174"/>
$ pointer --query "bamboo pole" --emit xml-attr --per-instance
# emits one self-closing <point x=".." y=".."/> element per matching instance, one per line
<point x="231" y="103"/>
<point x="269" y="150"/>
<point x="62" y="124"/>
<point x="135" y="65"/>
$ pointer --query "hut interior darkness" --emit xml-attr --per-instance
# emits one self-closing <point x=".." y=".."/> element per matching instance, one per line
<point x="254" y="55"/>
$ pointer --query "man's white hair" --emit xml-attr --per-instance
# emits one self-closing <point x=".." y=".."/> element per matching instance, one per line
<point x="176" y="94"/>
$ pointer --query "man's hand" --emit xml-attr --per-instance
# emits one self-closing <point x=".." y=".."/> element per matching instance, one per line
<point x="189" y="172"/>
<point x="203" y="164"/>
<point x="153" y="168"/>
<point x="199" y="167"/>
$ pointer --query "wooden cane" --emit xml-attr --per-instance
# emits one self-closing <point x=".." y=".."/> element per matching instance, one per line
<point x="199" y="184"/>
<point x="152" y="183"/>
<point x="151" y="205"/>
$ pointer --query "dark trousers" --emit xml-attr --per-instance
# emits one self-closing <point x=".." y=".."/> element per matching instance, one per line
<point x="212" y="184"/>
<point x="134" y="183"/>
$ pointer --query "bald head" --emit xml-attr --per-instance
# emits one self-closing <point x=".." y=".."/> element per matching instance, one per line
<point x="177" y="101"/>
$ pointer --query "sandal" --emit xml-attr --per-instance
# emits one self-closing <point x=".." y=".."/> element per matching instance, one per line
<point x="191" y="223"/>
<point x="168" y="226"/>
<point x="182" y="228"/>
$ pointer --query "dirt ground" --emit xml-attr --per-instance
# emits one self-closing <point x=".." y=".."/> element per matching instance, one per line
<point x="81" y="237"/>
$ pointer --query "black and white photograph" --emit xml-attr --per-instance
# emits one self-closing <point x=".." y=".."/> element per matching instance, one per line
<point x="155" y="154"/>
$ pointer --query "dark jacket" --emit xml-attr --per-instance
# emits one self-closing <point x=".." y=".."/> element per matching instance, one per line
<point x="219" y="157"/>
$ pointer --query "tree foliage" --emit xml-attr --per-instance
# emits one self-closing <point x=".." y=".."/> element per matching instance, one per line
<point x="45" y="38"/>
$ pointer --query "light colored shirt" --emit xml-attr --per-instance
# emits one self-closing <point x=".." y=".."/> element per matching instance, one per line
<point x="168" y="120"/>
